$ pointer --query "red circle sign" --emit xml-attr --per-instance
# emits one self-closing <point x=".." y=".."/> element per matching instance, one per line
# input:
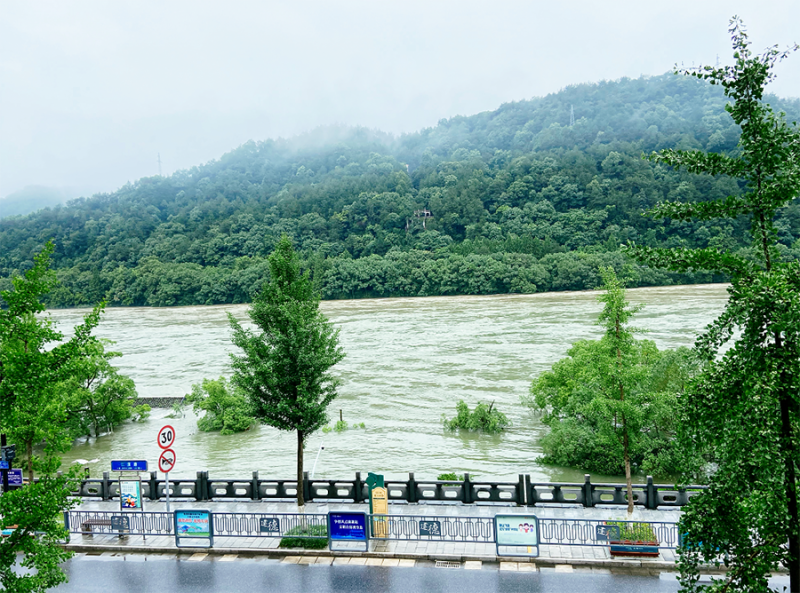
<point x="167" y="461"/>
<point x="166" y="437"/>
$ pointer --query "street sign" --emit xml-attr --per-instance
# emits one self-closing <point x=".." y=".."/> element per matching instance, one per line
<point x="605" y="533"/>
<point x="517" y="535"/>
<point x="347" y="528"/>
<point x="167" y="461"/>
<point x="194" y="529"/>
<point x="15" y="477"/>
<point x="120" y="523"/>
<point x="3" y="464"/>
<point x="166" y="437"/>
<point x="138" y="465"/>
<point x="430" y="528"/>
<point x="269" y="525"/>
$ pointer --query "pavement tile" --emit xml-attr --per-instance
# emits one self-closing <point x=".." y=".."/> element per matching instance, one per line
<point x="341" y="561"/>
<point x="406" y="562"/>
<point x="509" y="566"/>
<point x="358" y="560"/>
<point x="291" y="559"/>
<point x="526" y="567"/>
<point x="374" y="561"/>
<point x="473" y="565"/>
<point x="228" y="557"/>
<point x="307" y="560"/>
<point x="563" y="568"/>
<point x="198" y="557"/>
<point x="393" y="562"/>
<point x="323" y="561"/>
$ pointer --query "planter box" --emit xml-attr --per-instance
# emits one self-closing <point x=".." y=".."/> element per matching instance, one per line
<point x="633" y="548"/>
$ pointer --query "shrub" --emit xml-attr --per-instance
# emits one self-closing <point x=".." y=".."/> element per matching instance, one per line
<point x="483" y="418"/>
<point x="316" y="537"/>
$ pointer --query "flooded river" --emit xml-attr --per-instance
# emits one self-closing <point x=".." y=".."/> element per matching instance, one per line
<point x="408" y="361"/>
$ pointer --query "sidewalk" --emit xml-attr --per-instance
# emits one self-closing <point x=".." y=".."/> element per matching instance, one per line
<point x="391" y="551"/>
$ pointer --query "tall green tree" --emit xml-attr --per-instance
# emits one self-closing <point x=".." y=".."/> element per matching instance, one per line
<point x="34" y="361"/>
<point x="284" y="367"/>
<point x="745" y="405"/>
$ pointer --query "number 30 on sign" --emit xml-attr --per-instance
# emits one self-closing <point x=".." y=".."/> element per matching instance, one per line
<point x="166" y="437"/>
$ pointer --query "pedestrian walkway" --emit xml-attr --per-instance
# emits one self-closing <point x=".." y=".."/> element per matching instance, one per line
<point x="459" y="553"/>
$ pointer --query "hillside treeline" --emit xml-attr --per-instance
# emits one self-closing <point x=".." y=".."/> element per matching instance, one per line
<point x="518" y="199"/>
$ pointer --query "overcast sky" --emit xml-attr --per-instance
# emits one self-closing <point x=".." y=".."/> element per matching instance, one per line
<point x="91" y="92"/>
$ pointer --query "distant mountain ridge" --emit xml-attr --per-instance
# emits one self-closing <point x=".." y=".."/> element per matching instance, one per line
<point x="520" y="201"/>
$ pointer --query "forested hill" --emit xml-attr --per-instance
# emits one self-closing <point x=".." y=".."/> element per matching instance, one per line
<point x="520" y="198"/>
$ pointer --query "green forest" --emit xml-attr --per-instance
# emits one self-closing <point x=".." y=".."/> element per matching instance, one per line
<point x="535" y="196"/>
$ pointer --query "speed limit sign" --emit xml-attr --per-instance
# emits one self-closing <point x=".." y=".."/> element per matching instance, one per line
<point x="166" y="436"/>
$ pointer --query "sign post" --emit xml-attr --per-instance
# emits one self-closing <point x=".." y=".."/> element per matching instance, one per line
<point x="166" y="438"/>
<point x="347" y="528"/>
<point x="517" y="535"/>
<point x="130" y="490"/>
<point x="194" y="529"/>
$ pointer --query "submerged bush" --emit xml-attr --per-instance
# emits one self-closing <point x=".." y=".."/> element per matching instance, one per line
<point x="483" y="418"/>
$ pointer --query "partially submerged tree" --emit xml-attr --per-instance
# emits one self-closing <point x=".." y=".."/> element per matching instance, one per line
<point x="284" y="368"/>
<point x="97" y="397"/>
<point x="226" y="408"/>
<point x="745" y="406"/>
<point x="582" y="435"/>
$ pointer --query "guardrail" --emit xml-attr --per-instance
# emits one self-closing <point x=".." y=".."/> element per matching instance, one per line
<point x="420" y="528"/>
<point x="523" y="492"/>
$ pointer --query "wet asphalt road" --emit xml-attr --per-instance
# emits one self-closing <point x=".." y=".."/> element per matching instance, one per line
<point x="142" y="574"/>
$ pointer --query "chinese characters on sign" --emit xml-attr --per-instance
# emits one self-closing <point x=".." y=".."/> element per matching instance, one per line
<point x="430" y="528"/>
<point x="605" y="533"/>
<point x="270" y="525"/>
<point x="194" y="529"/>
<point x="518" y="535"/>
<point x="130" y="495"/>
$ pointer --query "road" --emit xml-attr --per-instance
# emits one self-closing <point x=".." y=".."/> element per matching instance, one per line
<point x="146" y="574"/>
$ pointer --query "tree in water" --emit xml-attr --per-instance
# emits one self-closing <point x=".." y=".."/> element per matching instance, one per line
<point x="284" y="368"/>
<point x="745" y="405"/>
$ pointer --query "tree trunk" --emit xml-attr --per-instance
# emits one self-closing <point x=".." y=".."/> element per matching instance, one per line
<point x="29" y="453"/>
<point x="627" y="456"/>
<point x="300" y="498"/>
<point x="791" y="497"/>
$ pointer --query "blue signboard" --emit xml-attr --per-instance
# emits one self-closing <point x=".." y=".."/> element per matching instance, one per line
<point x="129" y="466"/>
<point x="348" y="527"/>
<point x="3" y="464"/>
<point x="194" y="529"/>
<point x="15" y="477"/>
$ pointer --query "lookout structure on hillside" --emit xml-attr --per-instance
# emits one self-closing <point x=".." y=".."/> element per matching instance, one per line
<point x="419" y="216"/>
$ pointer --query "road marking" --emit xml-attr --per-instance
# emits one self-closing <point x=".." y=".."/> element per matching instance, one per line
<point x="526" y="567"/>
<point x="407" y="562"/>
<point x="473" y="565"/>
<point x="198" y="557"/>
<point x="229" y="557"/>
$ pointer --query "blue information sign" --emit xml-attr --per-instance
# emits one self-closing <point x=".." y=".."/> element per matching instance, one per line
<point x="129" y="466"/>
<point x="348" y="527"/>
<point x="3" y="464"/>
<point x="15" y="477"/>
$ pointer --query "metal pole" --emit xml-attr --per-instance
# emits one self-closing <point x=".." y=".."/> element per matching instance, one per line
<point x="313" y="469"/>
<point x="166" y="477"/>
<point x="5" y="471"/>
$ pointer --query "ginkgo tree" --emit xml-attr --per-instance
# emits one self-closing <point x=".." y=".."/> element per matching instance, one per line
<point x="745" y="405"/>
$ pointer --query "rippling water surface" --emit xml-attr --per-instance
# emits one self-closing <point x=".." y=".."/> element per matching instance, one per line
<point x="408" y="361"/>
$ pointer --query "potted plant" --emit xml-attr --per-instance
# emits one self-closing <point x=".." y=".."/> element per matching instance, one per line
<point x="636" y="539"/>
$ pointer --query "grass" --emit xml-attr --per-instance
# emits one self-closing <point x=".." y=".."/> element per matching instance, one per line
<point x="637" y="532"/>
<point x="315" y="537"/>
